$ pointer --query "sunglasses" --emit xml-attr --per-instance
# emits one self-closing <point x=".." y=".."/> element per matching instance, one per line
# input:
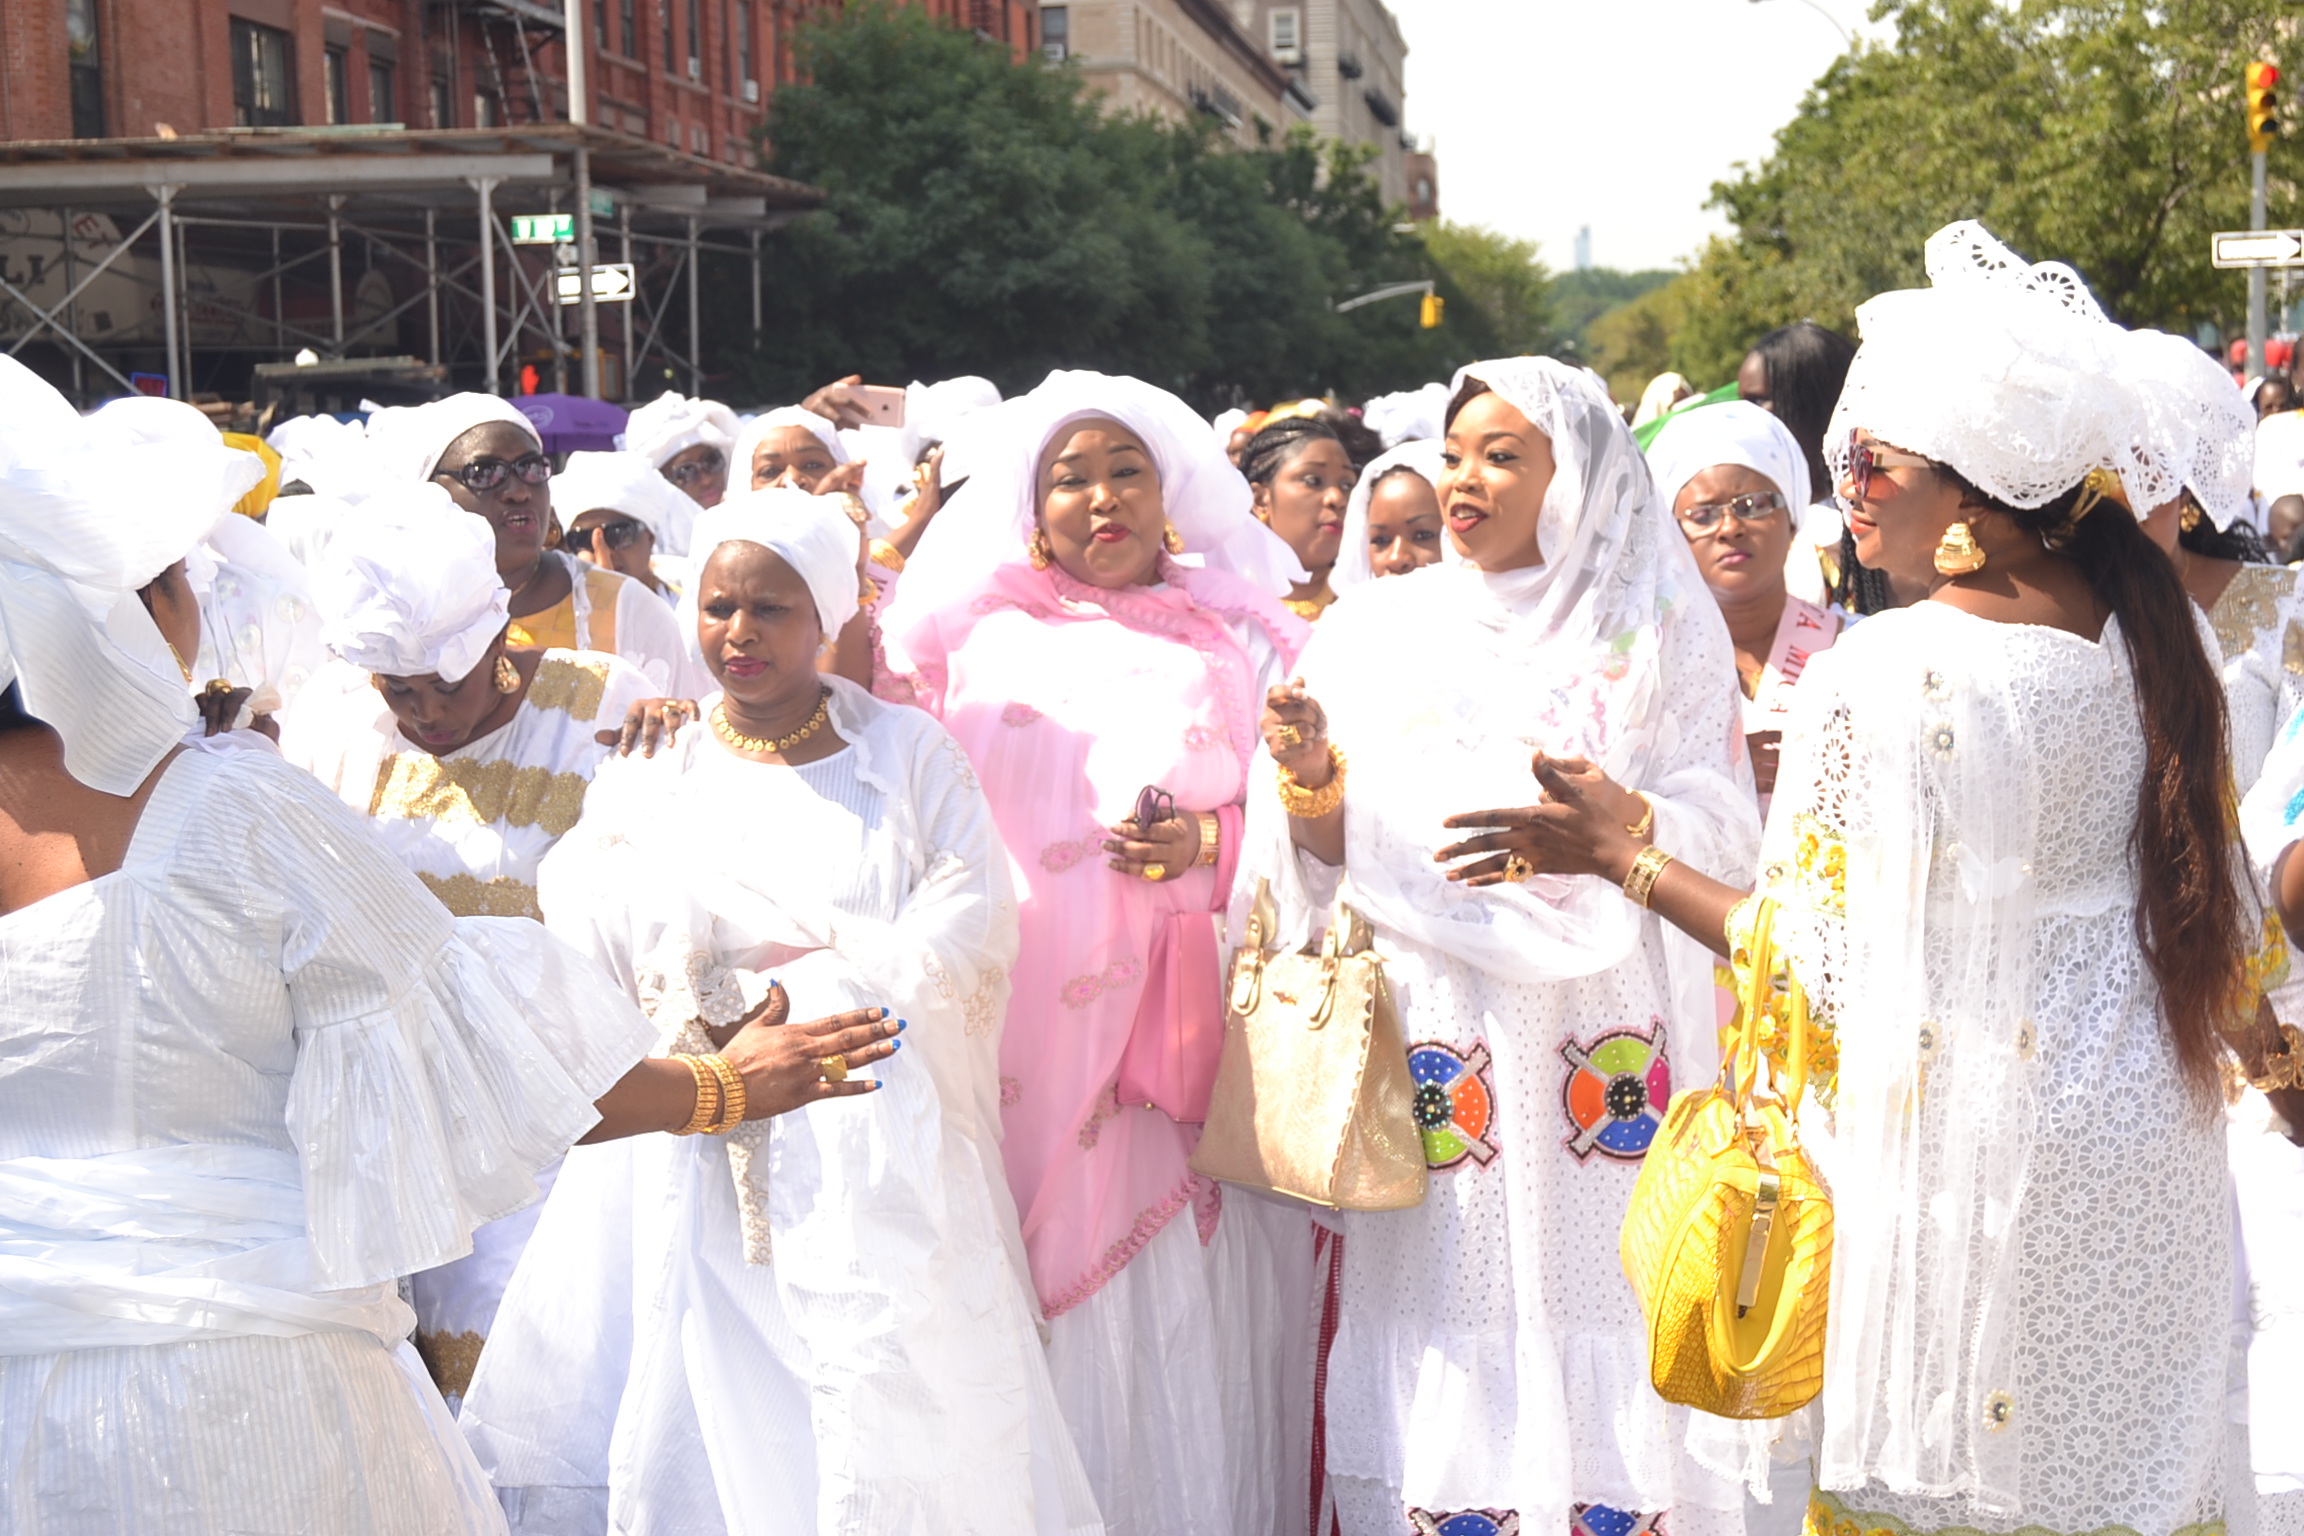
<point x="684" y="475"/>
<point x="1758" y="507"/>
<point x="1864" y="458"/>
<point x="618" y="532"/>
<point x="489" y="474"/>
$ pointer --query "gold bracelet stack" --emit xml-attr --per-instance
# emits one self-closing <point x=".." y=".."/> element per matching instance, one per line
<point x="1641" y="883"/>
<point x="1312" y="804"/>
<point x="1210" y="831"/>
<point x="2283" y="1068"/>
<point x="720" y="1099"/>
<point x="707" y="1095"/>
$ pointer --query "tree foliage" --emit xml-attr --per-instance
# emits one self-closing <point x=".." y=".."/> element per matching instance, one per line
<point x="984" y="215"/>
<point x="2104" y="133"/>
<point x="1499" y="276"/>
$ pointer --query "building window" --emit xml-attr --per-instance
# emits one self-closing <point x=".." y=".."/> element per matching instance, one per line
<point x="695" y="40"/>
<point x="727" y="54"/>
<point x="335" y="85"/>
<point x="261" y="79"/>
<point x="443" y="106"/>
<point x="751" y="72"/>
<point x="1288" y="35"/>
<point x="664" y="20"/>
<point x="383" y="101"/>
<point x="87" y="69"/>
<point x="483" y="110"/>
<point x="628" y="27"/>
<point x="1056" y="32"/>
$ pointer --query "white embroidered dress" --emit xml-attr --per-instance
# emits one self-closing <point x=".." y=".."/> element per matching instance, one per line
<point x="695" y="1344"/>
<point x="246" y="1081"/>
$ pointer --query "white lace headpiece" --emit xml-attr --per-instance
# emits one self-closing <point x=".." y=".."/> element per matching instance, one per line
<point x="2199" y="426"/>
<point x="408" y="586"/>
<point x="1353" y="565"/>
<point x="2009" y="373"/>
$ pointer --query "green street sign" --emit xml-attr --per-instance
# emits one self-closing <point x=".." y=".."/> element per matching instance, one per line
<point x="543" y="228"/>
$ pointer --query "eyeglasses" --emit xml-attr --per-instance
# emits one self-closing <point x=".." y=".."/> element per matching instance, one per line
<point x="684" y="475"/>
<point x="1758" y="507"/>
<point x="619" y="532"/>
<point x="1864" y="458"/>
<point x="489" y="474"/>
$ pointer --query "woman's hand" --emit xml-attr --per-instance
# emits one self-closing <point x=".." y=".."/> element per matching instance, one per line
<point x="648" y="724"/>
<point x="219" y="707"/>
<point x="1171" y="844"/>
<point x="1765" y="748"/>
<point x="783" y="1064"/>
<point x="1583" y="827"/>
<point x="1296" y="734"/>
<point x="836" y="402"/>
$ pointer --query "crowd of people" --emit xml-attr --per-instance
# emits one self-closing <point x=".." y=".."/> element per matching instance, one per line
<point x="677" y="991"/>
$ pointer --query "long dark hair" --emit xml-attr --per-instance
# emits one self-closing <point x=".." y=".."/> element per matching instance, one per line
<point x="2190" y="917"/>
<point x="1807" y="367"/>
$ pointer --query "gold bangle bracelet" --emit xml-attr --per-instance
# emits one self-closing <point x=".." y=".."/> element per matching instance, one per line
<point x="1312" y="804"/>
<point x="1647" y="823"/>
<point x="1210" y="831"/>
<point x="884" y="555"/>
<point x="1641" y="882"/>
<point x="707" y="1095"/>
<point x="732" y="1101"/>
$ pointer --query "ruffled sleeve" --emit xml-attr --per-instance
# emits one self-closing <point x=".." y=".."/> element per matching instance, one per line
<point x="440" y="1062"/>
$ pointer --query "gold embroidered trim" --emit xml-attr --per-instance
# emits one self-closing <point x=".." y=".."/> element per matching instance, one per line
<point x="575" y="686"/>
<point x="2249" y="605"/>
<point x="1829" y="1516"/>
<point x="602" y="588"/>
<point x="2292" y="649"/>
<point x="451" y="1358"/>
<point x="466" y="896"/>
<point x="462" y="790"/>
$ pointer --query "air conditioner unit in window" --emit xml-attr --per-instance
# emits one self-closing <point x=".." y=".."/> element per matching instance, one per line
<point x="751" y="90"/>
<point x="1288" y="55"/>
<point x="695" y="68"/>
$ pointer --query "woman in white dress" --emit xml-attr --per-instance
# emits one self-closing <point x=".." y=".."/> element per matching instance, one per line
<point x="250" y="1072"/>
<point x="2001" y="844"/>
<point x="692" y="1344"/>
<point x="1490" y="1361"/>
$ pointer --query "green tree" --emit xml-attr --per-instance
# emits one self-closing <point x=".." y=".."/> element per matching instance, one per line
<point x="1499" y="276"/>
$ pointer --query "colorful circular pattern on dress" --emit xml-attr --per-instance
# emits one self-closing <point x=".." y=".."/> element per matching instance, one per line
<point x="1455" y="1103"/>
<point x="1600" y="1520"/>
<point x="1618" y="1088"/>
<point x="1464" y="1522"/>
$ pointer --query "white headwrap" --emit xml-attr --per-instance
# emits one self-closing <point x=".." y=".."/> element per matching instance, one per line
<point x="811" y="534"/>
<point x="408" y="443"/>
<point x="1353" y="564"/>
<point x="672" y="423"/>
<point x="409" y="586"/>
<point x="630" y="484"/>
<point x="2200" y="427"/>
<point x="2009" y="373"/>
<point x="335" y="458"/>
<point x="1732" y="432"/>
<point x="756" y="431"/>
<point x="931" y="411"/>
<point x="988" y="523"/>
<point x="91" y="510"/>
<point x="1409" y="416"/>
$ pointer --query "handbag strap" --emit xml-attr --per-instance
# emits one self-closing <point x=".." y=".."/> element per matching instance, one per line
<point x="1749" y="1062"/>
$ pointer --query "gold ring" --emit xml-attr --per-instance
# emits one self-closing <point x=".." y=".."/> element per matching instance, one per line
<point x="834" y="1068"/>
<point x="1289" y="736"/>
<point x="218" y="688"/>
<point x="1155" y="871"/>
<point x="1518" y="869"/>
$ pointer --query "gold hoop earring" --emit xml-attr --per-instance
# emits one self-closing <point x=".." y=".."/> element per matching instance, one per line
<point x="507" y="675"/>
<point x="1958" y="553"/>
<point x="1039" y="551"/>
<point x="1172" y="541"/>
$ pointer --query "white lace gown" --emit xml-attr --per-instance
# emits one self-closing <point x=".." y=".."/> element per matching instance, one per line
<point x="2031" y="1324"/>
<point x="819" y="1323"/>
<point x="1490" y="1363"/>
<point x="246" y="1082"/>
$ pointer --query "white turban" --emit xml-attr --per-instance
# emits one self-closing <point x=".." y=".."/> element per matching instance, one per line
<point x="91" y="510"/>
<point x="1409" y="416"/>
<point x="811" y="534"/>
<point x="408" y="586"/>
<point x="2196" y="422"/>
<point x="335" y="458"/>
<point x="1731" y="432"/>
<point x="408" y="443"/>
<point x="672" y="423"/>
<point x="1353" y="563"/>
<point x="627" y="483"/>
<point x="756" y="431"/>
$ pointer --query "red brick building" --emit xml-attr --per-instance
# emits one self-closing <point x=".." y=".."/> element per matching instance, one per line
<point x="695" y="74"/>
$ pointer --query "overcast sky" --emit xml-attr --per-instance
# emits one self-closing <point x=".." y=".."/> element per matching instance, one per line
<point x="1552" y="114"/>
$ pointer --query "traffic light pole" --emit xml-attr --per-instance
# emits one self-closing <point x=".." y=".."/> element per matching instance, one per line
<point x="2258" y="329"/>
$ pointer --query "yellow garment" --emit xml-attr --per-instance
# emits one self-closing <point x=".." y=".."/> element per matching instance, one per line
<point x="554" y="628"/>
<point x="256" y="501"/>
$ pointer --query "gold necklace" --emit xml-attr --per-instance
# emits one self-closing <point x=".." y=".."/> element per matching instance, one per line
<point x="744" y="743"/>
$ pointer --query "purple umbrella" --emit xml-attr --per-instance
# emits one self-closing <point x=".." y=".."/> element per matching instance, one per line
<point x="569" y="423"/>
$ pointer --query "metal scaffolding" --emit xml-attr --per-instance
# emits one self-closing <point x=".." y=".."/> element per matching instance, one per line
<point x="282" y="213"/>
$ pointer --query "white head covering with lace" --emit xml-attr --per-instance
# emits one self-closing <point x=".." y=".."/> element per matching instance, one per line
<point x="91" y="510"/>
<point x="1353" y="564"/>
<point x="408" y="588"/>
<point x="989" y="522"/>
<point x="673" y="423"/>
<point x="2200" y="427"/>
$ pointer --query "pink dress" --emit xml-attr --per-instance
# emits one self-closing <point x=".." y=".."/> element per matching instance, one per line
<point x="1069" y="700"/>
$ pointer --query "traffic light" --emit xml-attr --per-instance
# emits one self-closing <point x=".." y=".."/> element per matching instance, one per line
<point x="2263" y="106"/>
<point x="1435" y="310"/>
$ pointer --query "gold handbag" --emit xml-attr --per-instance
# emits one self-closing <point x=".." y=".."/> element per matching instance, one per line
<point x="1313" y="1098"/>
<point x="1728" y="1241"/>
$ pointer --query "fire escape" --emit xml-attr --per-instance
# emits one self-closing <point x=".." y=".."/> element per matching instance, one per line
<point x="510" y="32"/>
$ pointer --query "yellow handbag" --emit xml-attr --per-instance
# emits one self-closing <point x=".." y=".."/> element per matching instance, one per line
<point x="1313" y="1099"/>
<point x="1728" y="1240"/>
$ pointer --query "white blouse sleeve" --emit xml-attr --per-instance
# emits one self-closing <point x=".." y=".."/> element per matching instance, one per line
<point x="440" y="1062"/>
<point x="648" y="636"/>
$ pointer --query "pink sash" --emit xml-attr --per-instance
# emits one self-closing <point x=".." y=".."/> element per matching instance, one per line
<point x="1177" y="1035"/>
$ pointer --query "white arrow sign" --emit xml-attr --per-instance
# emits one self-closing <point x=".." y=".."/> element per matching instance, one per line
<point x="612" y="283"/>
<point x="2258" y="248"/>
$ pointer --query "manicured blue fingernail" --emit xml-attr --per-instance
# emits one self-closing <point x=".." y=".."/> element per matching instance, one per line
<point x="894" y="1046"/>
<point x="903" y="1025"/>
